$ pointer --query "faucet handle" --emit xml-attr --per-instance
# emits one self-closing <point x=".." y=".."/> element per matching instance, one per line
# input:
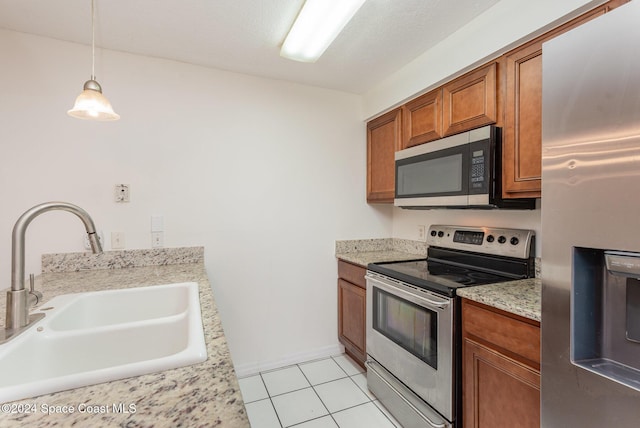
<point x="34" y="296"/>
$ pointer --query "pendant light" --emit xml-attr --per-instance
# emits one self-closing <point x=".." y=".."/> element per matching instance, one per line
<point x="91" y="104"/>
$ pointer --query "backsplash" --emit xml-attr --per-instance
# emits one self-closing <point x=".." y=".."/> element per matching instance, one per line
<point x="73" y="262"/>
<point x="382" y="244"/>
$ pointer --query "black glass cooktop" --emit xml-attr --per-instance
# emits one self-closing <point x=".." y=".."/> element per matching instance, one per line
<point x="440" y="277"/>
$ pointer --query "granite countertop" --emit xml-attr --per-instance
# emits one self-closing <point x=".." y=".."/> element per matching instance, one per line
<point x="520" y="297"/>
<point x="366" y="257"/>
<point x="204" y="394"/>
<point x="365" y="251"/>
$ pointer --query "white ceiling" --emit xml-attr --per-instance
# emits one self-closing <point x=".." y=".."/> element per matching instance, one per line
<point x="245" y="35"/>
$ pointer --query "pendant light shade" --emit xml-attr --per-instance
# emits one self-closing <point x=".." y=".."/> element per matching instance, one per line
<point x="91" y="104"/>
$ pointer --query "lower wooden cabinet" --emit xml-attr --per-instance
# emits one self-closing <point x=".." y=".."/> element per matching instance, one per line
<point x="500" y="368"/>
<point x="352" y="302"/>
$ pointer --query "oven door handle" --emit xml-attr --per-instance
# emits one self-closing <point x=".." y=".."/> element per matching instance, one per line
<point x="441" y="305"/>
<point x="370" y="366"/>
<point x="396" y="287"/>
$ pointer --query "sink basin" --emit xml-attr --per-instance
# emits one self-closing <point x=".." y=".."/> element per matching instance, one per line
<point x="95" y="337"/>
<point x="112" y="307"/>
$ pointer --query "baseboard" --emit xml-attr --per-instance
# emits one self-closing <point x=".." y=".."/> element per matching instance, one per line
<point x="249" y="369"/>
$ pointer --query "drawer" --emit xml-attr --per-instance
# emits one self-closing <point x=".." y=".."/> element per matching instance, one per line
<point x="511" y="334"/>
<point x="352" y="273"/>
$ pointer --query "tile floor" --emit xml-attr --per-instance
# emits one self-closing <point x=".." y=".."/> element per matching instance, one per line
<point x="326" y="393"/>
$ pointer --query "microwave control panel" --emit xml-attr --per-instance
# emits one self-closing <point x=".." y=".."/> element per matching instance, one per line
<point x="477" y="168"/>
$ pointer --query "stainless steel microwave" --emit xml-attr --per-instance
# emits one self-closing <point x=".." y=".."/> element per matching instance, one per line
<point x="460" y="171"/>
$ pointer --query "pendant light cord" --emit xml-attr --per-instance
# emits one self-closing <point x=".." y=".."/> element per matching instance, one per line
<point x="93" y="43"/>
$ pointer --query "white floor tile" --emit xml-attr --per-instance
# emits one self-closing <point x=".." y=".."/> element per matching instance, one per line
<point x="322" y="371"/>
<point x="252" y="389"/>
<point x="284" y="380"/>
<point x="348" y="365"/>
<point x="298" y="406"/>
<point x="323" y="422"/>
<point x="340" y="394"/>
<point x="262" y="414"/>
<point x="365" y="415"/>
<point x="361" y="380"/>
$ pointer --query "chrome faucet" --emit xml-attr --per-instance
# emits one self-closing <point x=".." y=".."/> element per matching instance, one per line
<point x="18" y="298"/>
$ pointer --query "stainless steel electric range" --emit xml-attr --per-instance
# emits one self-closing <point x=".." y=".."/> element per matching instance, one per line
<point x="413" y="318"/>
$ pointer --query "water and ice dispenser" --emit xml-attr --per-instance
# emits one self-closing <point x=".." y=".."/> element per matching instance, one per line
<point x="605" y="314"/>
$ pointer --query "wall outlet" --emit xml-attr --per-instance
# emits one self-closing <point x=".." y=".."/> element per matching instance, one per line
<point x="117" y="240"/>
<point x="157" y="239"/>
<point x="422" y="233"/>
<point x="121" y="193"/>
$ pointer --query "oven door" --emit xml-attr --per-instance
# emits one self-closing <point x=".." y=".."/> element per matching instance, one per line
<point x="410" y="334"/>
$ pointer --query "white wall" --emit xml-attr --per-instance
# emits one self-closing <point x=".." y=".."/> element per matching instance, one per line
<point x="499" y="29"/>
<point x="265" y="174"/>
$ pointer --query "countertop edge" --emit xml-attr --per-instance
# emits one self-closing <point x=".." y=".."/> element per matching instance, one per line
<point x="520" y="297"/>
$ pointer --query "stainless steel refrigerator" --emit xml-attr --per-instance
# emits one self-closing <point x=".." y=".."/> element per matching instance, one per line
<point x="591" y="224"/>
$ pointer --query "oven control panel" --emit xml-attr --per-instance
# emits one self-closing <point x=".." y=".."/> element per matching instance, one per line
<point x="488" y="240"/>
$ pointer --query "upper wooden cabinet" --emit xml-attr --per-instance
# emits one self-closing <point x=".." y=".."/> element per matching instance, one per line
<point x="522" y="130"/>
<point x="506" y="92"/>
<point x="470" y="101"/>
<point x="384" y="135"/>
<point x="422" y="119"/>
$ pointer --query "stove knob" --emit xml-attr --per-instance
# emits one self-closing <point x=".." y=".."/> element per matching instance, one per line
<point x="502" y="239"/>
<point x="490" y="238"/>
<point x="434" y="233"/>
<point x="440" y="234"/>
<point x="514" y="241"/>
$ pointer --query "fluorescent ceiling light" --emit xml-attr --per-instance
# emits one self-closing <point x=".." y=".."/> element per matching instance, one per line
<point x="317" y="25"/>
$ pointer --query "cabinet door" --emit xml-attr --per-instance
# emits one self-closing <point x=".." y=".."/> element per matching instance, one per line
<point x="522" y="136"/>
<point x="422" y="119"/>
<point x="522" y="133"/>
<point x="352" y="319"/>
<point x="470" y="101"/>
<point x="498" y="391"/>
<point x="383" y="140"/>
